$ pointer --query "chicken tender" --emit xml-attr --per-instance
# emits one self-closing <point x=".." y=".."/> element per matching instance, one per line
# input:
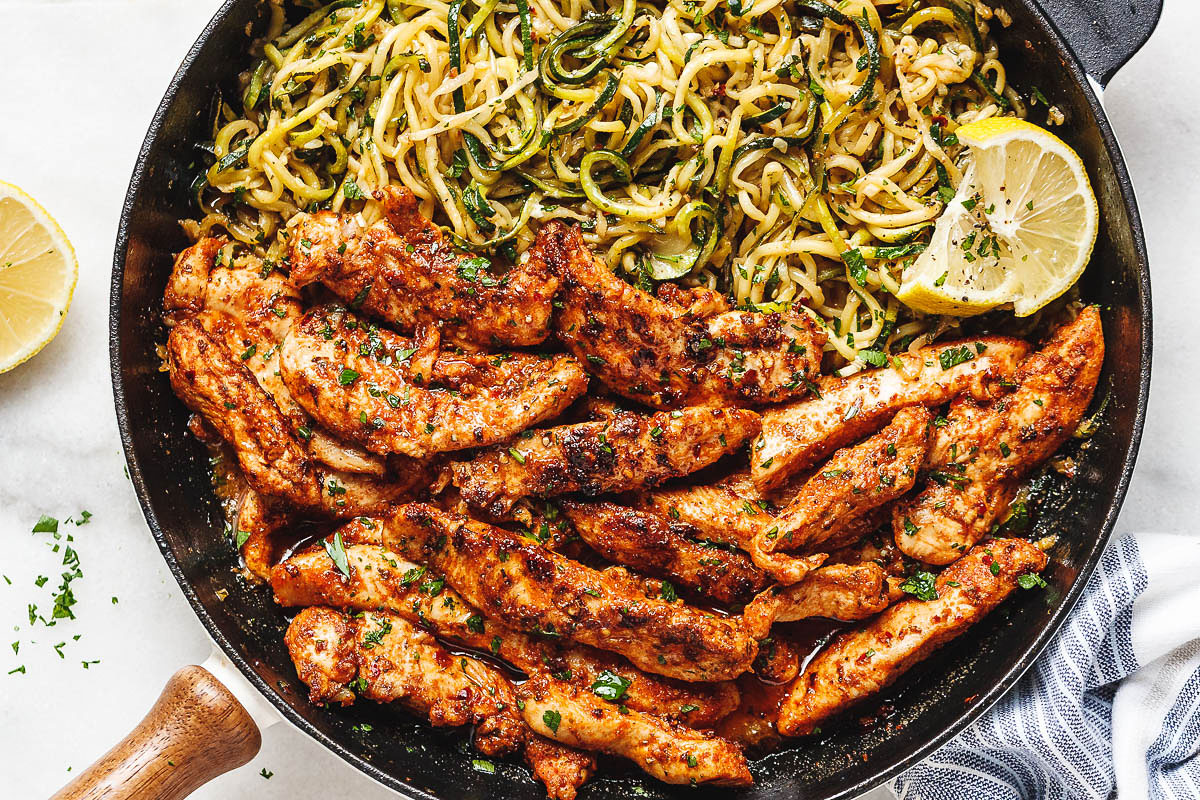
<point x="844" y="410"/>
<point x="403" y="270"/>
<point x="359" y="380"/>
<point x="863" y="661"/>
<point x="854" y="481"/>
<point x="216" y="385"/>
<point x="624" y="452"/>
<point x="510" y="578"/>
<point x="670" y="752"/>
<point x="840" y="591"/>
<point x="672" y="550"/>
<point x="665" y="355"/>
<point x="382" y="579"/>
<point x="980" y="457"/>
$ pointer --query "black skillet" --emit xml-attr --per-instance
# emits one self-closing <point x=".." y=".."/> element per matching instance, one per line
<point x="1067" y="48"/>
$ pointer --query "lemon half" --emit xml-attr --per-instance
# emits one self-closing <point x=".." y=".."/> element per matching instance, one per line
<point x="1019" y="230"/>
<point x="37" y="277"/>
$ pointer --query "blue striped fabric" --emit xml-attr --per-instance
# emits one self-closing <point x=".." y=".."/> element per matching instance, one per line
<point x="1051" y="737"/>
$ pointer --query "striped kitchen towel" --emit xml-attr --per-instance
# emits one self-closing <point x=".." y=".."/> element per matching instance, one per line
<point x="1112" y="706"/>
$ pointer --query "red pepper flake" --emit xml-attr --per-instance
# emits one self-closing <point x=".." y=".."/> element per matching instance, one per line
<point x="987" y="560"/>
<point x="971" y="699"/>
<point x="719" y="90"/>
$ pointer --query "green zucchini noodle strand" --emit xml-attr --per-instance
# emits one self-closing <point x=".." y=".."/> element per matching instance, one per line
<point x="786" y="152"/>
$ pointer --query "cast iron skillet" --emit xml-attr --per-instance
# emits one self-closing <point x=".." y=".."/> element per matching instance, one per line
<point x="1068" y="48"/>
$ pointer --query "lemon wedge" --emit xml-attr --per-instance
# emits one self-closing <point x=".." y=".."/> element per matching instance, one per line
<point x="37" y="277"/>
<point x="1019" y="230"/>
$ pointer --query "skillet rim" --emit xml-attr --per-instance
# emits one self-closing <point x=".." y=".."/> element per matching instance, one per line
<point x="872" y="776"/>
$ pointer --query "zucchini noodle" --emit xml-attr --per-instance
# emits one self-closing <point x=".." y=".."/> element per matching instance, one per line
<point x="786" y="152"/>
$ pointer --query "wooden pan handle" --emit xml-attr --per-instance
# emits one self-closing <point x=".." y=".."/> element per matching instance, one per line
<point x="196" y="731"/>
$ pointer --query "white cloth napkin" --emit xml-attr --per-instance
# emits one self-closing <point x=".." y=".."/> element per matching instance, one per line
<point x="1111" y="708"/>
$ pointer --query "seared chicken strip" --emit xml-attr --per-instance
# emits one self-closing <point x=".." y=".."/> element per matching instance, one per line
<point x="844" y="410"/>
<point x="403" y="270"/>
<point x="733" y="512"/>
<point x="865" y="660"/>
<point x="672" y="550"/>
<point x="980" y="457"/>
<point x="626" y="451"/>
<point x="513" y="579"/>
<point x="670" y="752"/>
<point x="389" y="660"/>
<point x="399" y="662"/>
<point x="879" y="549"/>
<point x="250" y="308"/>
<point x="321" y="644"/>
<point x="663" y="354"/>
<point x="855" y="480"/>
<point x="256" y="522"/>
<point x="359" y="380"/>
<point x="216" y="385"/>
<point x="730" y="511"/>
<point x="382" y="579"/>
<point x="840" y="591"/>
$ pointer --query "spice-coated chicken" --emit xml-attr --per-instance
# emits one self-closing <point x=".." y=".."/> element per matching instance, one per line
<point x="623" y="452"/>
<point x="403" y="270"/>
<point x="979" y="457"/>
<point x="379" y="578"/>
<point x="840" y="591"/>
<point x="663" y="354"/>
<point x="867" y="659"/>
<point x="672" y="753"/>
<point x="387" y="659"/>
<point x="673" y="550"/>
<point x="392" y="394"/>
<point x="844" y="410"/>
<point x="215" y="384"/>
<point x="509" y="577"/>
<point x="854" y="481"/>
<point x="250" y="307"/>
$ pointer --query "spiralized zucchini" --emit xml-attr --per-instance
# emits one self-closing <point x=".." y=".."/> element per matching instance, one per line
<point x="782" y="151"/>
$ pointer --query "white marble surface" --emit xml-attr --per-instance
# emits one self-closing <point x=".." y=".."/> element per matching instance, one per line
<point x="79" y="80"/>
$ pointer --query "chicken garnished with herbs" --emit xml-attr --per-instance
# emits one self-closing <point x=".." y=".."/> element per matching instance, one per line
<point x="504" y="547"/>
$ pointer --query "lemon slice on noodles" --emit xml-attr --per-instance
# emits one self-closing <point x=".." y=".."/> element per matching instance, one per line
<point x="37" y="277"/>
<point x="1019" y="230"/>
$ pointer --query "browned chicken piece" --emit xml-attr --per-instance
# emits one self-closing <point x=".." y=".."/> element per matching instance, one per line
<point x="841" y="591"/>
<point x="626" y="451"/>
<point x="980" y="457"/>
<point x="845" y="410"/>
<point x="855" y="480"/>
<point x="403" y="270"/>
<point x="664" y="354"/>
<point x="358" y="380"/>
<point x="256" y="522"/>
<point x="250" y="308"/>
<point x="672" y="550"/>
<point x="562" y="770"/>
<point x="390" y="660"/>
<point x="216" y="385"/>
<point x="187" y="287"/>
<point x="321" y="644"/>
<point x="381" y="579"/>
<point x="672" y="753"/>
<point x="401" y="663"/>
<point x="731" y="511"/>
<point x="879" y="549"/>
<point x="510" y="578"/>
<point x="863" y="661"/>
<point x="778" y="659"/>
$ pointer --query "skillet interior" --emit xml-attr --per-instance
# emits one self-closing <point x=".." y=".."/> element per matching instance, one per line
<point x="170" y="472"/>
